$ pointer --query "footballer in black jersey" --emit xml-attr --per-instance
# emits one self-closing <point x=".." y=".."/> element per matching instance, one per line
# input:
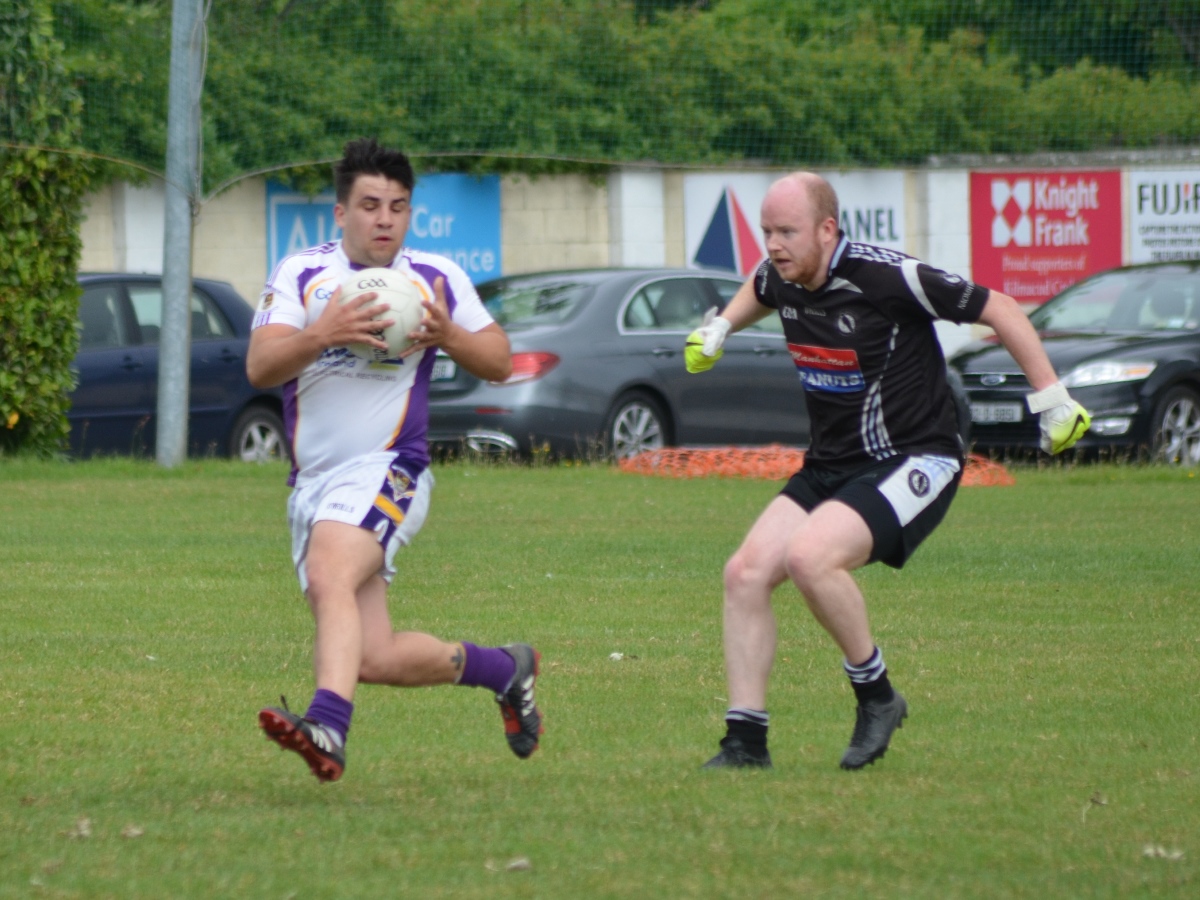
<point x="867" y="354"/>
<point x="885" y="458"/>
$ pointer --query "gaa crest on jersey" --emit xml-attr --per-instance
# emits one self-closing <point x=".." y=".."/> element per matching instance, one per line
<point x="846" y="323"/>
<point x="830" y="369"/>
<point x="918" y="483"/>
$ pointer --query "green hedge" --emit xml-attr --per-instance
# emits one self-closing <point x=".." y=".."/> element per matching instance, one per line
<point x="41" y="199"/>
<point x="577" y="84"/>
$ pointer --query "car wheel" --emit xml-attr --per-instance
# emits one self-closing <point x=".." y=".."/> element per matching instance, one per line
<point x="258" y="436"/>
<point x="1176" y="427"/>
<point x="637" y="423"/>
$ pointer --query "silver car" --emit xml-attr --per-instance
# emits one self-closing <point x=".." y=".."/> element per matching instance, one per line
<point x="598" y="370"/>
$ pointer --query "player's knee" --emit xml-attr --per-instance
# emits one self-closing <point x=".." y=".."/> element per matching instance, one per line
<point x="327" y="586"/>
<point x="320" y="581"/>
<point x="743" y="574"/>
<point x="804" y="565"/>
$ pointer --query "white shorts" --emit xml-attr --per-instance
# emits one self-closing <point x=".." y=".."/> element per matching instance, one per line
<point x="376" y="492"/>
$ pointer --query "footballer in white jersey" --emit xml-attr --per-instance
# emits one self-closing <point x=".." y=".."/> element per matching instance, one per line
<point x="358" y="436"/>
<point x="343" y="406"/>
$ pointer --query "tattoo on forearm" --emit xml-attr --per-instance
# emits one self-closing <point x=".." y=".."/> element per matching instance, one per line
<point x="458" y="659"/>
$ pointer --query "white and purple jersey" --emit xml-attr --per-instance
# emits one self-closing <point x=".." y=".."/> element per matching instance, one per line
<point x="342" y="406"/>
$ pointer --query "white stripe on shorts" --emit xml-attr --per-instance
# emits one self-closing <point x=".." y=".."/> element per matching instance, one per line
<point x="917" y="483"/>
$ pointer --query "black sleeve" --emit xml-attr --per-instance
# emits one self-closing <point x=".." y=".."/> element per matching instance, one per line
<point x="945" y="295"/>
<point x="764" y="288"/>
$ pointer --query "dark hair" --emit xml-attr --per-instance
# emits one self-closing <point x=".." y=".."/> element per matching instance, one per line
<point x="365" y="156"/>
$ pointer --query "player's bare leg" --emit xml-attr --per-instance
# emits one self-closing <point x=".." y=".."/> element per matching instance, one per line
<point x="402" y="658"/>
<point x="751" y="575"/>
<point x="820" y="558"/>
<point x="415" y="659"/>
<point x="341" y="559"/>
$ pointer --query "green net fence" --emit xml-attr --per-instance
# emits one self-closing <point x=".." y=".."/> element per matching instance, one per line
<point x="503" y="85"/>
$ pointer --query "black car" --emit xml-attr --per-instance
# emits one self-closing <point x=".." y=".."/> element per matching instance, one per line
<point x="114" y="404"/>
<point x="1126" y="343"/>
<point x="598" y="369"/>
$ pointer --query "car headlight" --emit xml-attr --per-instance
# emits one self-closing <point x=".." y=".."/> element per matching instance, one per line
<point x="1107" y="372"/>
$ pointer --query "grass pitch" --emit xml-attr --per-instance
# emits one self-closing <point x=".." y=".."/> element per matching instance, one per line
<point x="1046" y="638"/>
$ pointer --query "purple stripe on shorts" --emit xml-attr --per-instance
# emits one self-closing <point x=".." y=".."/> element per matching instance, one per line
<point x="396" y="493"/>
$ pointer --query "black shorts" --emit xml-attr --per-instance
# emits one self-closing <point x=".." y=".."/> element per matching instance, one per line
<point x="901" y="499"/>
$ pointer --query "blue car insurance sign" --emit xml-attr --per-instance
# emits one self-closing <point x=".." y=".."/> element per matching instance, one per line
<point x="455" y="215"/>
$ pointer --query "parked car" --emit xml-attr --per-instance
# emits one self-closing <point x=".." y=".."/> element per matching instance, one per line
<point x="598" y="369"/>
<point x="114" y="404"/>
<point x="1126" y="343"/>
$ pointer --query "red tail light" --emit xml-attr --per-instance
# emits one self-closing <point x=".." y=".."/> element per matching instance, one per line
<point x="529" y="366"/>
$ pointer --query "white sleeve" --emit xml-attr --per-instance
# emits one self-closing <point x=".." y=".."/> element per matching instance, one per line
<point x="467" y="309"/>
<point x="470" y="312"/>
<point x="280" y="303"/>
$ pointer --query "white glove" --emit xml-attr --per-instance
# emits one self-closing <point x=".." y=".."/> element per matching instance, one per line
<point x="1063" y="421"/>
<point x="703" y="347"/>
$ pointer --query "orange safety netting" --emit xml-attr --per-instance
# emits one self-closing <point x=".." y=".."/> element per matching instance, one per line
<point x="773" y="462"/>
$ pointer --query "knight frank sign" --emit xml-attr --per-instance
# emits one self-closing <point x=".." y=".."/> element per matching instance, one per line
<point x="1035" y="233"/>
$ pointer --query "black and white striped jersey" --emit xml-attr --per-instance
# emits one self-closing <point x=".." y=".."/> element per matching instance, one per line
<point x="867" y="354"/>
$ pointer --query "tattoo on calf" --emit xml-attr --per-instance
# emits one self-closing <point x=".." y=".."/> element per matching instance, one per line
<point x="458" y="659"/>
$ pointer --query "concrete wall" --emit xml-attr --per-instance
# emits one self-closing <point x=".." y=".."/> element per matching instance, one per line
<point x="123" y="228"/>
<point x="230" y="238"/>
<point x="553" y="222"/>
<point x="635" y="216"/>
<point x="122" y="231"/>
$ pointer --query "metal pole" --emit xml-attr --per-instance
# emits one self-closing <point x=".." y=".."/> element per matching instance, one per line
<point x="182" y="190"/>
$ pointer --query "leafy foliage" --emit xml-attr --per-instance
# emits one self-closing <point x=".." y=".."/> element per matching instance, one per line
<point x="581" y="84"/>
<point x="41" y="198"/>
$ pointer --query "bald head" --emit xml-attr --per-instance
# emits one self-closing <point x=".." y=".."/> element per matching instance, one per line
<point x="814" y="191"/>
<point x="800" y="227"/>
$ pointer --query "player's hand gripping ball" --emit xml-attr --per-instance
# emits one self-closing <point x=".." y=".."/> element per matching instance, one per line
<point x="402" y="294"/>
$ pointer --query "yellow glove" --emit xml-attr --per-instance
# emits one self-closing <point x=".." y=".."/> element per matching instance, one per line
<point x="1063" y="421"/>
<point x="703" y="346"/>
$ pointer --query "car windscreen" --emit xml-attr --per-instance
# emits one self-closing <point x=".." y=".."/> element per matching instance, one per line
<point x="534" y="303"/>
<point x="1157" y="299"/>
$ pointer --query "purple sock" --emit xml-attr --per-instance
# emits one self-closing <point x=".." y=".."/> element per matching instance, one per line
<point x="331" y="710"/>
<point x="488" y="667"/>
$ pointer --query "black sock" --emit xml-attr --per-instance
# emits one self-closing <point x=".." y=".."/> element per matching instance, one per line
<point x="870" y="680"/>
<point x="749" y="726"/>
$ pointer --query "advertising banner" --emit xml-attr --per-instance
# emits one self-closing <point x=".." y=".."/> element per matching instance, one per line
<point x="721" y="214"/>
<point x="455" y="215"/>
<point x="1035" y="233"/>
<point x="1164" y="215"/>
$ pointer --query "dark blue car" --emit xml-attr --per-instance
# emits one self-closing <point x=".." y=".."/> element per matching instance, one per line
<point x="114" y="404"/>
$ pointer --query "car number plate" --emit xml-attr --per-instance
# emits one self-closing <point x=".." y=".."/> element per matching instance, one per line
<point x="444" y="369"/>
<point x="996" y="412"/>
